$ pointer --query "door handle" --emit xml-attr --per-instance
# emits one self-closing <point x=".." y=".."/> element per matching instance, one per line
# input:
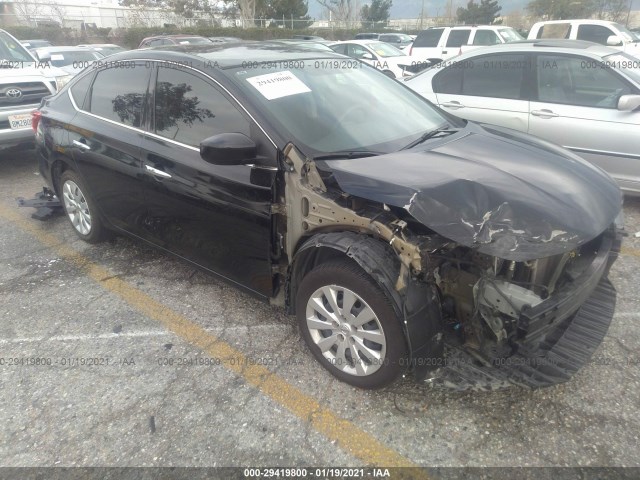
<point x="544" y="113"/>
<point x="81" y="145"/>
<point x="157" y="172"/>
<point x="453" y="105"/>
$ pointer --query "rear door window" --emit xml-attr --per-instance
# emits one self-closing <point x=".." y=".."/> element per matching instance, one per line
<point x="555" y="30"/>
<point x="457" y="38"/>
<point x="119" y="94"/>
<point x="428" y="38"/>
<point x="498" y="76"/>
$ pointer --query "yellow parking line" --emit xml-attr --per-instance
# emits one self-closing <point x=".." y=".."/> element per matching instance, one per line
<point x="634" y="252"/>
<point x="343" y="432"/>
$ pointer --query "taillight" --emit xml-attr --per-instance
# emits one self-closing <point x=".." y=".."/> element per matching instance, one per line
<point x="36" y="115"/>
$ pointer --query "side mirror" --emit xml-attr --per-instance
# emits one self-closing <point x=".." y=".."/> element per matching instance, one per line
<point x="629" y="103"/>
<point x="614" y="41"/>
<point x="228" y="149"/>
<point x="367" y="56"/>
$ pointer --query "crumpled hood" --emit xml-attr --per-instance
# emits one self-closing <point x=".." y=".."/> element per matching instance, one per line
<point x="504" y="192"/>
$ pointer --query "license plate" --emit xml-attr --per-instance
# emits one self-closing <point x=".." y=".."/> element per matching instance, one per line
<point x="18" y="122"/>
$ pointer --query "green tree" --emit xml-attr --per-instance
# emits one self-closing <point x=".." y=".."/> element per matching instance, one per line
<point x="289" y="9"/>
<point x="377" y="12"/>
<point x="484" y="13"/>
<point x="562" y="9"/>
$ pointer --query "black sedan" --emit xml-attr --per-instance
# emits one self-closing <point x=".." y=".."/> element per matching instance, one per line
<point x="390" y="228"/>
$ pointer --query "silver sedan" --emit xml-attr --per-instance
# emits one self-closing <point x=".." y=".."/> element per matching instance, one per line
<point x="577" y="94"/>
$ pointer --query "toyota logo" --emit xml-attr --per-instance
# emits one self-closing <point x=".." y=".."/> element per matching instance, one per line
<point x="14" y="93"/>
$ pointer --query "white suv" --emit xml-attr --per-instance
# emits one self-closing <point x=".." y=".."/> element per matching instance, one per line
<point x="599" y="31"/>
<point x="440" y="43"/>
<point x="23" y="83"/>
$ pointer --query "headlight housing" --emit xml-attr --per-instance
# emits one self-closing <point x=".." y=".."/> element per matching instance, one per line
<point x="62" y="81"/>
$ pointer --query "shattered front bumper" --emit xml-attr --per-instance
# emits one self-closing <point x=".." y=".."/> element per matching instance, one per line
<point x="558" y="337"/>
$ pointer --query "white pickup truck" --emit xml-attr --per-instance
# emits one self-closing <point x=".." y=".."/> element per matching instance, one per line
<point x="598" y="31"/>
<point x="23" y="83"/>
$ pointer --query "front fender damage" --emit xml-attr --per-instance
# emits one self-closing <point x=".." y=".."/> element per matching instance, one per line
<point x="318" y="225"/>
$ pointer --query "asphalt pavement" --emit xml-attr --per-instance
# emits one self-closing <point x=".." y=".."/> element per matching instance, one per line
<point x="118" y="355"/>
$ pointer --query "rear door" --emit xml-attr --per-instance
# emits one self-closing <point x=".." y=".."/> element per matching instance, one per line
<point x="488" y="88"/>
<point x="105" y="140"/>
<point x="427" y="44"/>
<point x="218" y="217"/>
<point x="457" y="38"/>
<point x="576" y="107"/>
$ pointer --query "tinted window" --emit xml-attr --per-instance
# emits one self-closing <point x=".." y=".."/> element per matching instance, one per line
<point x="157" y="42"/>
<point x="342" y="48"/>
<point x="485" y="37"/>
<point x="565" y="80"/>
<point x="188" y="109"/>
<point x="118" y="94"/>
<point x="428" y="38"/>
<point x="457" y="38"/>
<point x="449" y="81"/>
<point x="498" y="76"/>
<point x="80" y="88"/>
<point x="594" y="33"/>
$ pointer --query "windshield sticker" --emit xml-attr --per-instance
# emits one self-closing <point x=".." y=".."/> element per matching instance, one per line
<point x="57" y="56"/>
<point x="277" y="85"/>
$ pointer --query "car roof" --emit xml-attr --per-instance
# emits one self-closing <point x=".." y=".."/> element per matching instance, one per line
<point x="551" y="45"/>
<point x="227" y="55"/>
<point x="63" y="48"/>
<point x="578" y="20"/>
<point x="366" y="41"/>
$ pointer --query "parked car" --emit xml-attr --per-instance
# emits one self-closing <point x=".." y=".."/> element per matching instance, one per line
<point x="603" y="32"/>
<point x="23" y="84"/>
<point x="388" y="226"/>
<point x="314" y="38"/>
<point x="583" y="96"/>
<point x="366" y="36"/>
<point x="391" y="61"/>
<point x="104" y="48"/>
<point x="399" y="40"/>
<point x="224" y="39"/>
<point x="440" y="43"/>
<point x="33" y="44"/>
<point x="303" y="44"/>
<point x="70" y="59"/>
<point x="160" y="40"/>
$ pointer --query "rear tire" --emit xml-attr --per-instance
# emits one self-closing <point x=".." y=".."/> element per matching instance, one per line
<point x="80" y="208"/>
<point x="349" y="325"/>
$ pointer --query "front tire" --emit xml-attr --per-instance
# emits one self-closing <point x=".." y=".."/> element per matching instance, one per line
<point x="350" y="326"/>
<point x="80" y="208"/>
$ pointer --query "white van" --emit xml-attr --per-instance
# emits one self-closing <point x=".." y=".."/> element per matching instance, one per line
<point x="23" y="83"/>
<point x="599" y="31"/>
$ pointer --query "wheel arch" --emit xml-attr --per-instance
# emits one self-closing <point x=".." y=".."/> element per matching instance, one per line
<point x="417" y="305"/>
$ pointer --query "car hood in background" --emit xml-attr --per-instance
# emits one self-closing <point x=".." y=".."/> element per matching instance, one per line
<point x="506" y="193"/>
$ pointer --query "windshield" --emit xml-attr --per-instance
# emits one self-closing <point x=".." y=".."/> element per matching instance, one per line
<point x="326" y="106"/>
<point x="385" y="50"/>
<point x="624" y="63"/>
<point x="510" y="35"/>
<point x="627" y="34"/>
<point x="12" y="51"/>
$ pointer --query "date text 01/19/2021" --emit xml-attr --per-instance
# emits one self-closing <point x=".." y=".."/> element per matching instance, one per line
<point x="316" y="472"/>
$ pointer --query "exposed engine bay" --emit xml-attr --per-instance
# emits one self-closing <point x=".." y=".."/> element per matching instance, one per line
<point x="482" y="299"/>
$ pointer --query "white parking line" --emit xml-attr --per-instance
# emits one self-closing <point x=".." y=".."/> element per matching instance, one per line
<point x="71" y="338"/>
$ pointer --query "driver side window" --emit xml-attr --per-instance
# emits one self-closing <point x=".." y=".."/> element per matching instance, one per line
<point x="578" y="81"/>
<point x="357" y="51"/>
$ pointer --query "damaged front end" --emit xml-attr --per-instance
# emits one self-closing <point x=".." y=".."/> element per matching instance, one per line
<point x="496" y="284"/>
